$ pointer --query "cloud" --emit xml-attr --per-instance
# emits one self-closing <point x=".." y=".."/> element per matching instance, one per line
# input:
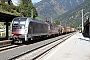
<point x="16" y="2"/>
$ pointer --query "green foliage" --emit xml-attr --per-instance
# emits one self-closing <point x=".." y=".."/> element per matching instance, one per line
<point x="57" y="22"/>
<point x="73" y="18"/>
<point x="79" y="28"/>
<point x="27" y="9"/>
<point x="3" y="26"/>
<point x="38" y="18"/>
<point x="2" y="23"/>
<point x="8" y="9"/>
<point x="23" y="10"/>
<point x="2" y="1"/>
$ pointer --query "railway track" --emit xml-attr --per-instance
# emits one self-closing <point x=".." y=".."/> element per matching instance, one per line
<point x="37" y="54"/>
<point x="5" y="43"/>
<point x="34" y="51"/>
<point x="9" y="47"/>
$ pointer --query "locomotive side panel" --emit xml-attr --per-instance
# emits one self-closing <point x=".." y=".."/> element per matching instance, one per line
<point x="37" y="29"/>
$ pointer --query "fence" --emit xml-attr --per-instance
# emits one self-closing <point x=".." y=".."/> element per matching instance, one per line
<point x="2" y="32"/>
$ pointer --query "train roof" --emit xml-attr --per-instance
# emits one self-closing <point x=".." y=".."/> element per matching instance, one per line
<point x="31" y="19"/>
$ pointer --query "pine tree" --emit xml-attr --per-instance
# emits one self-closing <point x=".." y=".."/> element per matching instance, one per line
<point x="27" y="9"/>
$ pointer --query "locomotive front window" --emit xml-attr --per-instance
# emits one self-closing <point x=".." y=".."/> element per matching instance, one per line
<point x="22" y="22"/>
<point x="19" y="22"/>
<point x="15" y="21"/>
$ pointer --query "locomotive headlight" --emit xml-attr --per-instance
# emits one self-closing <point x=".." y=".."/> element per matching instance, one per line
<point x="22" y="27"/>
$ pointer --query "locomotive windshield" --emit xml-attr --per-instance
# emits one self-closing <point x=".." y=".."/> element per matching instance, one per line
<point x="19" y="23"/>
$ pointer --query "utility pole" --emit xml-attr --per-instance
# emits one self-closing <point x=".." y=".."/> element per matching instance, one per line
<point x="82" y="21"/>
<point x="51" y="20"/>
<point x="60" y="22"/>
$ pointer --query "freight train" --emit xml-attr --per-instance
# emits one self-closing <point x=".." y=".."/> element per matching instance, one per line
<point x="24" y="29"/>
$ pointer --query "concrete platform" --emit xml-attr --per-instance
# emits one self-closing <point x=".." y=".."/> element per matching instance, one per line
<point x="75" y="48"/>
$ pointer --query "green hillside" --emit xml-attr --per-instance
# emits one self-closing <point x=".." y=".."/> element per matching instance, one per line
<point x="53" y="8"/>
<point x="73" y="18"/>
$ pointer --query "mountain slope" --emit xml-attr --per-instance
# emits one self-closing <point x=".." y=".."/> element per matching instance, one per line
<point x="49" y="8"/>
<point x="74" y="17"/>
<point x="70" y="4"/>
<point x="53" y="8"/>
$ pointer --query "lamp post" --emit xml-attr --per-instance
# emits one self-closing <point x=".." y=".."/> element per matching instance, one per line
<point x="82" y="21"/>
<point x="83" y="15"/>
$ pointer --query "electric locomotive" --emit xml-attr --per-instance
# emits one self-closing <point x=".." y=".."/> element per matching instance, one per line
<point x="23" y="29"/>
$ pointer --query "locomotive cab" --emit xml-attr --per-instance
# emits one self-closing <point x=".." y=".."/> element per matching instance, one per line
<point x="23" y="29"/>
<point x="19" y="29"/>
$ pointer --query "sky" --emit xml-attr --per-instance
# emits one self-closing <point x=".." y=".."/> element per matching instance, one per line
<point x="15" y="2"/>
<point x="35" y="1"/>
